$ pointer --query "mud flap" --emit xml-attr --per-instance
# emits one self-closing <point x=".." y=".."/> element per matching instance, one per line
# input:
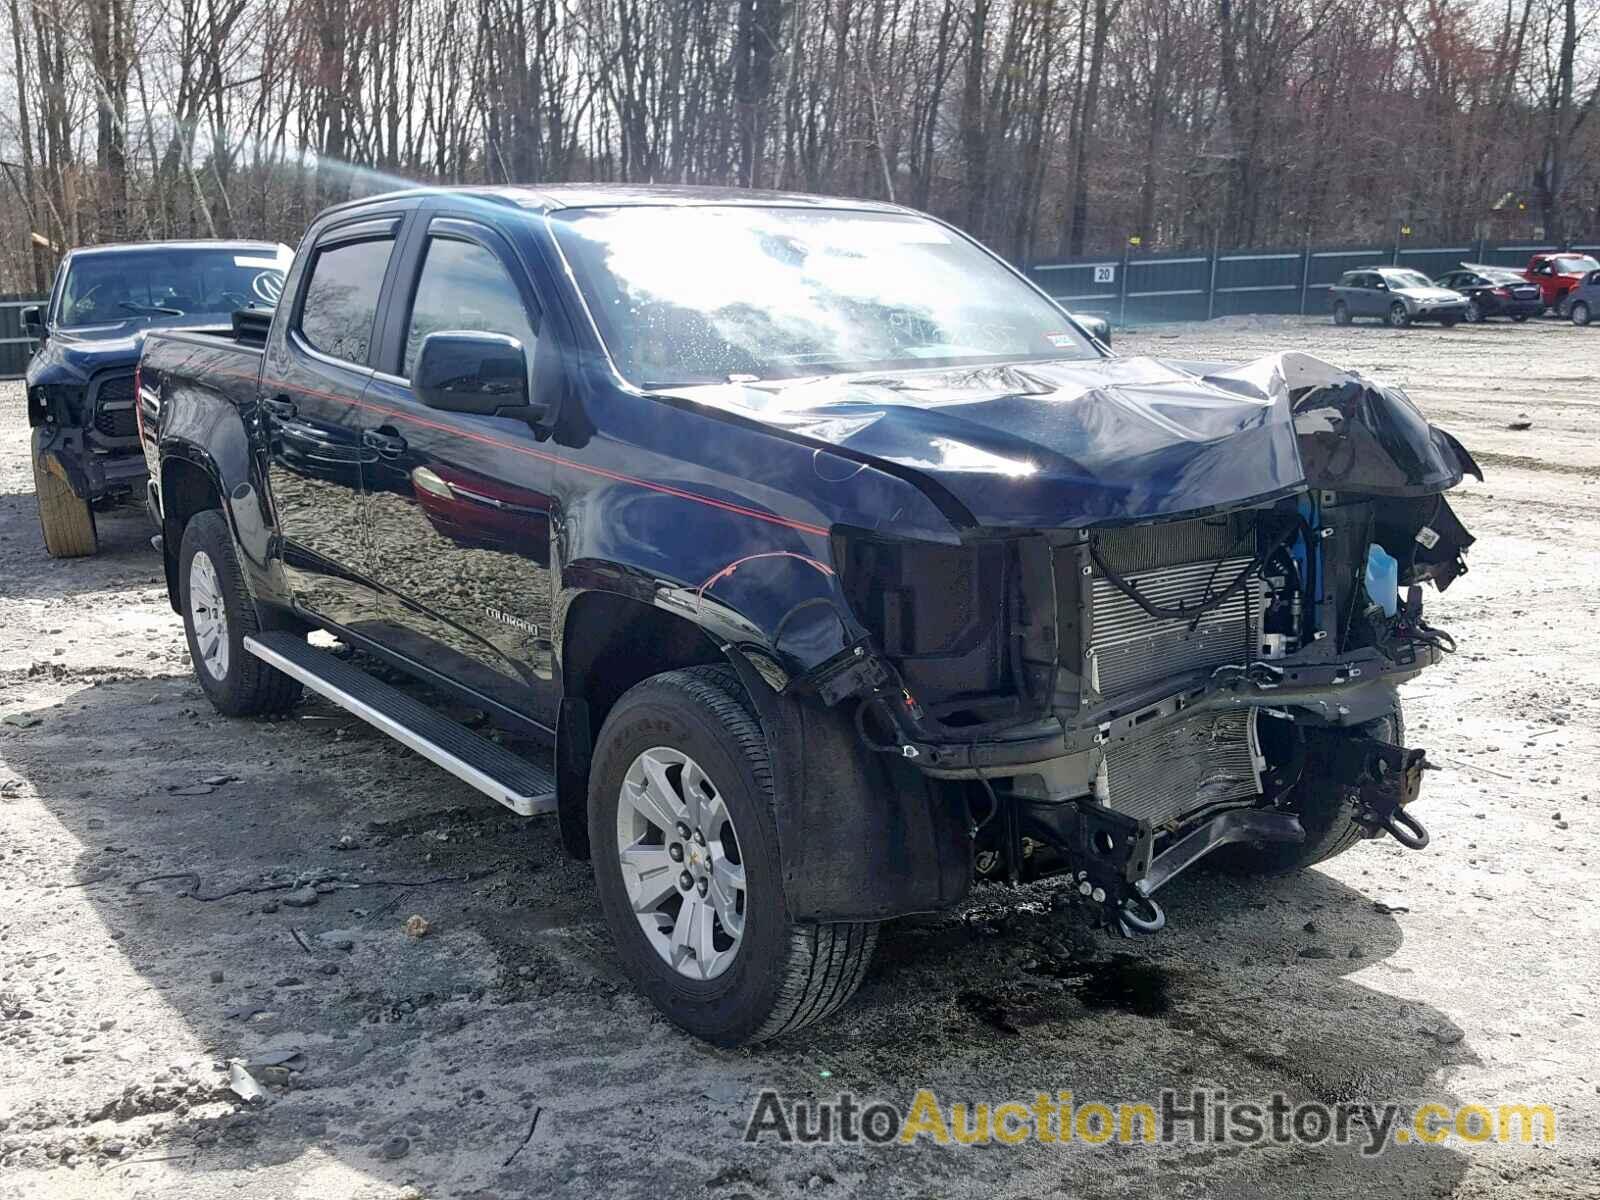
<point x="862" y="836"/>
<point x="63" y="467"/>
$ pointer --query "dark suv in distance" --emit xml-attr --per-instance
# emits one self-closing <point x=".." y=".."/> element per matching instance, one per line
<point x="1397" y="295"/>
<point x="81" y="379"/>
<point x="1493" y="292"/>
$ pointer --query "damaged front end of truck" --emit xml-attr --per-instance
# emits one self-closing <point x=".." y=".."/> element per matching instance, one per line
<point x="1176" y="624"/>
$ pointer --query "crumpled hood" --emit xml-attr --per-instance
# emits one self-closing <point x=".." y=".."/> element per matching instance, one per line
<point x="1115" y="440"/>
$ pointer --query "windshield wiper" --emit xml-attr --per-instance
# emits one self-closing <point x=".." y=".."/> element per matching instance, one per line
<point x="149" y="309"/>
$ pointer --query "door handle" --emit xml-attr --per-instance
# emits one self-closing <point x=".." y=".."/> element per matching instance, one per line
<point x="280" y="407"/>
<point x="390" y="445"/>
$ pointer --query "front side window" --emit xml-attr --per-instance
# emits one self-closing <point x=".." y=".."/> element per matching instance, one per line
<point x="170" y="282"/>
<point x="719" y="294"/>
<point x="341" y="301"/>
<point x="464" y="287"/>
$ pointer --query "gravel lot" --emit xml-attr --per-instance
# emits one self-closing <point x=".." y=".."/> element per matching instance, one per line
<point x="421" y="1063"/>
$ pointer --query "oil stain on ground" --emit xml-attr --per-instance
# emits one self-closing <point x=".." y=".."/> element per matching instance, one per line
<point x="1121" y="983"/>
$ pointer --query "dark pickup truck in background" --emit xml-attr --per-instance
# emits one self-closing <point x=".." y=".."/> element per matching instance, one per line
<point x="80" y="381"/>
<point x="839" y="566"/>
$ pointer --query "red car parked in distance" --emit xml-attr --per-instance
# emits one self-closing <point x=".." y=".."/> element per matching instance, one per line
<point x="1558" y="273"/>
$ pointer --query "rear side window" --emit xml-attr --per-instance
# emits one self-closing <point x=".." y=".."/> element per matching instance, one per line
<point x="464" y="287"/>
<point x="341" y="301"/>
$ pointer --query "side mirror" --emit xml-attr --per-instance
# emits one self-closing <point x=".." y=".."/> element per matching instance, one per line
<point x="33" y="321"/>
<point x="483" y="373"/>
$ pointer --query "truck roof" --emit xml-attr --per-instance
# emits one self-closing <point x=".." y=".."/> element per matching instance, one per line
<point x="555" y="196"/>
<point x="191" y="244"/>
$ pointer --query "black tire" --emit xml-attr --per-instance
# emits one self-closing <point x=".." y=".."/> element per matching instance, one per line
<point x="1474" y="311"/>
<point x="1579" y="312"/>
<point x="783" y="975"/>
<point x="246" y="687"/>
<point x="1341" y="313"/>
<point x="1398" y="317"/>
<point x="1449" y="322"/>
<point x="66" y="522"/>
<point x="1327" y="812"/>
<point x="1519" y="318"/>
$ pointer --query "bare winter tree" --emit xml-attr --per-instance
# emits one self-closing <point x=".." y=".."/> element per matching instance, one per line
<point x="1041" y="126"/>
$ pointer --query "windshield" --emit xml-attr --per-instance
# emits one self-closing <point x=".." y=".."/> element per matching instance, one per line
<point x="739" y="294"/>
<point x="101" y="289"/>
<point x="1406" y="279"/>
<point x="1575" y="264"/>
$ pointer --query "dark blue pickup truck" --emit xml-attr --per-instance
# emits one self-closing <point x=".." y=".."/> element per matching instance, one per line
<point x="836" y="563"/>
<point x="80" y="381"/>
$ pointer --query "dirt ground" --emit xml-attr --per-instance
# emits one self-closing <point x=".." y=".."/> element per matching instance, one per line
<point x="1464" y="974"/>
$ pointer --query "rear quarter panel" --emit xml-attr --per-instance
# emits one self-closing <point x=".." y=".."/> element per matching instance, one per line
<point x="204" y="391"/>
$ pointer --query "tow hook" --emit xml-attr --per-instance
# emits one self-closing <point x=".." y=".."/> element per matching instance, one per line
<point x="1386" y="778"/>
<point x="1140" y="914"/>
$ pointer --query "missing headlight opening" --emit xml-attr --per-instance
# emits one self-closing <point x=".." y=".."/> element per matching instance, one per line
<point x="1123" y="698"/>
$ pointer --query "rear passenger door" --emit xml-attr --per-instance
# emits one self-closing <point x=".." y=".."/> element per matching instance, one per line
<point x="1370" y="302"/>
<point x="458" y="503"/>
<point x="311" y="388"/>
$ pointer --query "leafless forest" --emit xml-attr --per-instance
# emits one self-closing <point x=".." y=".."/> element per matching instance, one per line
<point x="1043" y="126"/>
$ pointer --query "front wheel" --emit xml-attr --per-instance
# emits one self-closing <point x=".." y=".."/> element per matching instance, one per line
<point x="685" y="845"/>
<point x="218" y="615"/>
<point x="1474" y="312"/>
<point x="1328" y="812"/>
<point x="1341" y="313"/>
<point x="1399" y="318"/>
<point x="1580" y="312"/>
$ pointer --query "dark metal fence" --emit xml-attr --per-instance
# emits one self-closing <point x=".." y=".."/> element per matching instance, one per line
<point x="16" y="347"/>
<point x="1192" y="286"/>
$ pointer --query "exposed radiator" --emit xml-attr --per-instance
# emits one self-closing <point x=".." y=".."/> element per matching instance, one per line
<point x="1128" y="648"/>
<point x="1210" y="759"/>
<point x="1170" y="565"/>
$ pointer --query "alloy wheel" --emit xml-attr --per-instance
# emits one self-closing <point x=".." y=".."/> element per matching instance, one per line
<point x="209" y="614"/>
<point x="681" y="863"/>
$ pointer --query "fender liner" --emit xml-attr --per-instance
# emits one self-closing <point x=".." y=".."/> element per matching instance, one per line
<point x="63" y="466"/>
<point x="862" y="836"/>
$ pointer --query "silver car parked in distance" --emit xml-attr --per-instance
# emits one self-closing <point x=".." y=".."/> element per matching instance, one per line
<point x="1582" y="304"/>
<point x="1397" y="295"/>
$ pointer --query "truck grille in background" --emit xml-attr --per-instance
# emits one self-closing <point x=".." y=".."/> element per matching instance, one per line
<point x="1127" y="648"/>
<point x="1210" y="759"/>
<point x="113" y="408"/>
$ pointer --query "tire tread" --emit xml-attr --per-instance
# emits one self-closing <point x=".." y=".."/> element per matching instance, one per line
<point x="823" y="964"/>
<point x="258" y="689"/>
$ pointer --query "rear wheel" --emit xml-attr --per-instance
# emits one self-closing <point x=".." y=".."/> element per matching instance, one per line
<point x="688" y="870"/>
<point x="1398" y="317"/>
<point x="1341" y="313"/>
<point x="66" y="521"/>
<point x="1580" y="312"/>
<point x="218" y="615"/>
<point x="1326" y="810"/>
